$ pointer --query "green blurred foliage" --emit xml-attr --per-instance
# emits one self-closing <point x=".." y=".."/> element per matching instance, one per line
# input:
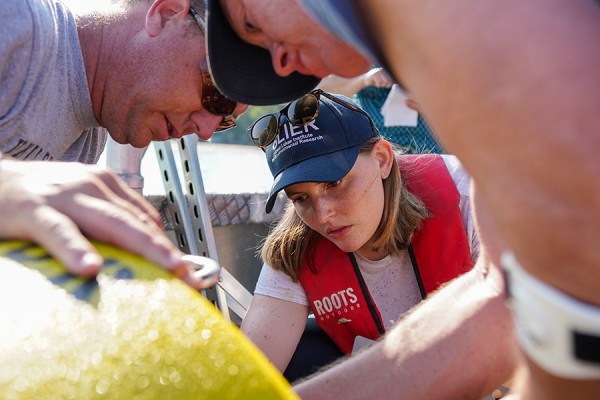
<point x="238" y="135"/>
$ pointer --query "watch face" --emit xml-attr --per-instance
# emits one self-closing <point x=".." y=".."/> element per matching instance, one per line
<point x="587" y="347"/>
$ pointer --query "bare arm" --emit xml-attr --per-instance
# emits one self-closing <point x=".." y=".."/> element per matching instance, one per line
<point x="350" y="86"/>
<point x="55" y="204"/>
<point x="275" y="326"/>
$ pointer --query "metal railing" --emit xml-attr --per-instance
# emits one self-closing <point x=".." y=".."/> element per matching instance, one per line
<point x="186" y="207"/>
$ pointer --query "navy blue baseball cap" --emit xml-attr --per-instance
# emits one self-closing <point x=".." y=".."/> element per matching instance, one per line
<point x="323" y="150"/>
<point x="244" y="72"/>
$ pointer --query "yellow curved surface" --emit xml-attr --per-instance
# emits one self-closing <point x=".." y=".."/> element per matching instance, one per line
<point x="135" y="332"/>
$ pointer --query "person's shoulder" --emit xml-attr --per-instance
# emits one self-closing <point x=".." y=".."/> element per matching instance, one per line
<point x="16" y="20"/>
<point x="27" y="10"/>
<point x="18" y="29"/>
<point x="24" y="24"/>
<point x="459" y="174"/>
<point x="451" y="161"/>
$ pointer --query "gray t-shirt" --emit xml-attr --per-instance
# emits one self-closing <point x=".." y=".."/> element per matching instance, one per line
<point x="45" y="103"/>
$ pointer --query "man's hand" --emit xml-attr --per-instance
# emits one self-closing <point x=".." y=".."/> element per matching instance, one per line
<point x="57" y="205"/>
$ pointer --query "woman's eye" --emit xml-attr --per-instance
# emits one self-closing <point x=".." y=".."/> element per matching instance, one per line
<point x="298" y="199"/>
<point x="334" y="183"/>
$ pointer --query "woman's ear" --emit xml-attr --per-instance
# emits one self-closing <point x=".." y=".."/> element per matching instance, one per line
<point x="383" y="151"/>
<point x="162" y="11"/>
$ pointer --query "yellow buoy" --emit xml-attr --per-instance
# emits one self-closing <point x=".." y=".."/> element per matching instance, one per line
<point x="134" y="332"/>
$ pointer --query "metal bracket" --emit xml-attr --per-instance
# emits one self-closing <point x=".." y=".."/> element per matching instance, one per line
<point x="188" y="209"/>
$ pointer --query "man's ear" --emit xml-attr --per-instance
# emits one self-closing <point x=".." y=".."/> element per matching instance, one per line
<point x="162" y="11"/>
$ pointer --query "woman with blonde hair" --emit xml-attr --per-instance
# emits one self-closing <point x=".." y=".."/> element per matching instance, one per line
<point x="367" y="234"/>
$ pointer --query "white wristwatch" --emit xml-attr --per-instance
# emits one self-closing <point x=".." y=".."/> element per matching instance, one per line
<point x="559" y="333"/>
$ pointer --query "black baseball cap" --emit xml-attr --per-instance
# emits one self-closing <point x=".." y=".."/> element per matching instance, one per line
<point x="244" y="72"/>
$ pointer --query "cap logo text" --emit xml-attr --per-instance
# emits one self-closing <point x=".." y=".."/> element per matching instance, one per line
<point x="293" y="135"/>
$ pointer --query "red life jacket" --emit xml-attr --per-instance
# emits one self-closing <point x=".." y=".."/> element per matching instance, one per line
<point x="338" y="296"/>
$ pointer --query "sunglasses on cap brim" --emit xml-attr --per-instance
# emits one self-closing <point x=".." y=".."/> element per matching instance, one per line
<point x="299" y="112"/>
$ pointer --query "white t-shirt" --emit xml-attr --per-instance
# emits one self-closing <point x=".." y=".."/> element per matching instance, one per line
<point x="45" y="104"/>
<point x="391" y="281"/>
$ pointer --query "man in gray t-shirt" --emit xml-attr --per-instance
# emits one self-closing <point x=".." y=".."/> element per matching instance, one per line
<point x="64" y="77"/>
<point x="138" y="71"/>
<point x="45" y="108"/>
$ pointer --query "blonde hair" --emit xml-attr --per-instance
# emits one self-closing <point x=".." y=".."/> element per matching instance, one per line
<point x="290" y="239"/>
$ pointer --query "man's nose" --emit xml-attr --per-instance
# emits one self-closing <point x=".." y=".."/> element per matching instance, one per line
<point x="240" y="109"/>
<point x="206" y="122"/>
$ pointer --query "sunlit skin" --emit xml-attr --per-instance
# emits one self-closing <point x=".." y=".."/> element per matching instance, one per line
<point x="348" y="211"/>
<point x="155" y="94"/>
<point x="296" y="42"/>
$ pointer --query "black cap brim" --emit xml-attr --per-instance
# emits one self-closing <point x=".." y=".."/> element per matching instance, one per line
<point x="244" y="72"/>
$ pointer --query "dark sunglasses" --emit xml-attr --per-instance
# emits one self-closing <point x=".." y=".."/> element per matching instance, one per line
<point x="299" y="112"/>
<point x="214" y="101"/>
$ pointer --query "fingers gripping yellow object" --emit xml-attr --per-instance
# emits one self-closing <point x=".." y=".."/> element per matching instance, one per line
<point x="135" y="332"/>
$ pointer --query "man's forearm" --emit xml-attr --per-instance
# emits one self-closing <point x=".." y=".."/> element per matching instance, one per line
<point x="458" y="344"/>
<point x="346" y="86"/>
